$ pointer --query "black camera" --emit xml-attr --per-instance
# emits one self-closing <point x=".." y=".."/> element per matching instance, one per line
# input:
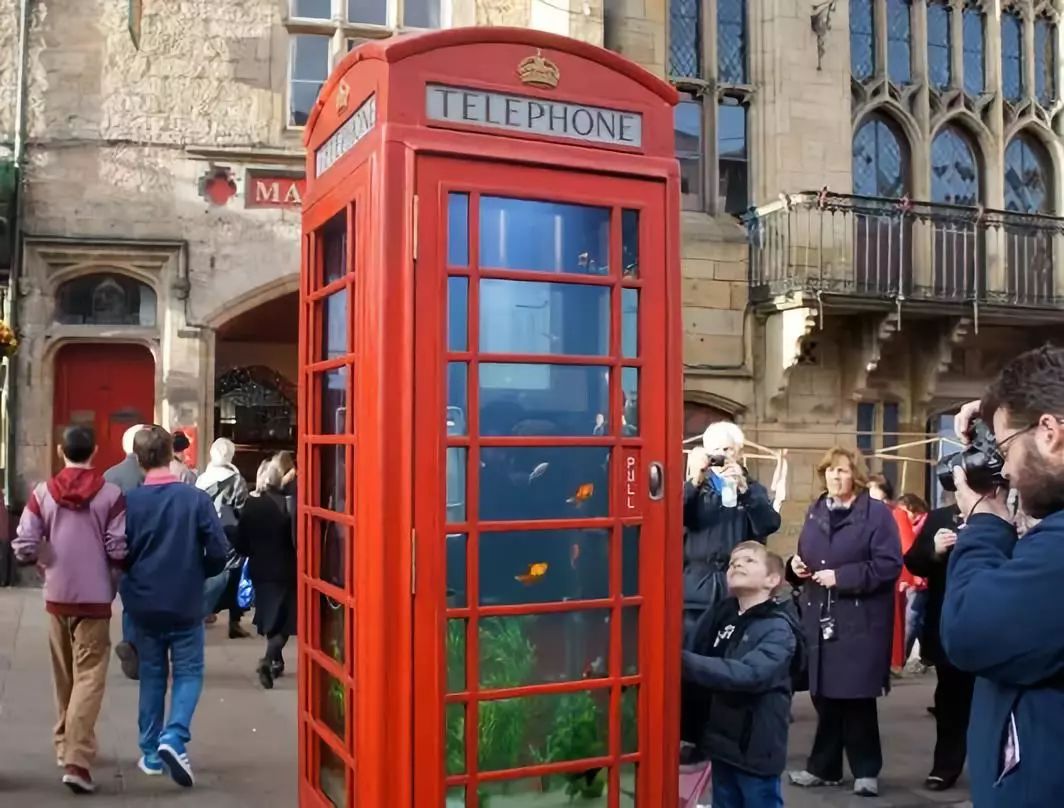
<point x="980" y="459"/>
<point x="717" y="461"/>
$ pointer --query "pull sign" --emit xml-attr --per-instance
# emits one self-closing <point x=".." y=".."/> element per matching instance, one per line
<point x="630" y="483"/>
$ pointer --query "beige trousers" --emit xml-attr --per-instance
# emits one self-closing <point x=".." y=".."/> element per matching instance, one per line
<point x="81" y="649"/>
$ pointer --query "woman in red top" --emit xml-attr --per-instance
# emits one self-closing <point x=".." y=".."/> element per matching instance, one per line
<point x="879" y="487"/>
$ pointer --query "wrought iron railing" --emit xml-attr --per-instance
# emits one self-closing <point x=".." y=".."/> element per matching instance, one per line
<point x="828" y="243"/>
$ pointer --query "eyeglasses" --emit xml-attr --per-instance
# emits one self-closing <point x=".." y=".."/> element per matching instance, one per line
<point x="1001" y="447"/>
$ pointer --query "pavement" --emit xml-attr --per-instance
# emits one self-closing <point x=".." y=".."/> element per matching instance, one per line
<point x="244" y="749"/>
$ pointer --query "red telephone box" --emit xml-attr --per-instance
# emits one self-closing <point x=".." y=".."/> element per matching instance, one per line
<point x="490" y="402"/>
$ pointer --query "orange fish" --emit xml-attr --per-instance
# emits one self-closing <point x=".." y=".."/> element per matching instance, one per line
<point x="582" y="495"/>
<point x="535" y="573"/>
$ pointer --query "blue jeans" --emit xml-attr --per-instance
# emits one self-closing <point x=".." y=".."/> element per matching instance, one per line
<point x="129" y="631"/>
<point x="737" y="789"/>
<point x="213" y="589"/>
<point x="176" y="651"/>
<point x="915" y="608"/>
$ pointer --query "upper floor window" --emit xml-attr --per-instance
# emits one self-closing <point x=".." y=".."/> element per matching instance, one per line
<point x="321" y="32"/>
<point x="862" y="39"/>
<point x="731" y="41"/>
<point x="105" y="299"/>
<point x="1027" y="176"/>
<point x="880" y="162"/>
<point x="878" y="425"/>
<point x="939" y="45"/>
<point x="899" y="41"/>
<point x="710" y="126"/>
<point x="1045" y="61"/>
<point x="974" y="37"/>
<point x="1012" y="55"/>
<point x="954" y="170"/>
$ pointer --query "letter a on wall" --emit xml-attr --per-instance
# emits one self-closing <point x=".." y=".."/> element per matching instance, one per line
<point x="136" y="12"/>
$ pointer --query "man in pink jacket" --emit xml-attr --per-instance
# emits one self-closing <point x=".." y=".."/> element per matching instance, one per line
<point x="74" y="529"/>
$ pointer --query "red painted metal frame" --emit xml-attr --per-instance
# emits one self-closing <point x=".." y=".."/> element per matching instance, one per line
<point x="396" y="616"/>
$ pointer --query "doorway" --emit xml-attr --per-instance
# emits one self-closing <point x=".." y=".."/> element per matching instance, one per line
<point x="108" y="386"/>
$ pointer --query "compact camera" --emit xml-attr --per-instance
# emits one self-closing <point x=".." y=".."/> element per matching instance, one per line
<point x="717" y="461"/>
<point x="980" y="459"/>
<point x="828" y="630"/>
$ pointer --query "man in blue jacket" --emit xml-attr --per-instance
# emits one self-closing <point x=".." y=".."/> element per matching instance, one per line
<point x="1002" y="618"/>
<point x="176" y="542"/>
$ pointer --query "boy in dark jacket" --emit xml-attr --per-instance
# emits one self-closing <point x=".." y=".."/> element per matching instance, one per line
<point x="737" y="675"/>
<point x="176" y="542"/>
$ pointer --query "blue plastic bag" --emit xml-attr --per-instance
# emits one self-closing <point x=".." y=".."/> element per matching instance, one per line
<point x="245" y="590"/>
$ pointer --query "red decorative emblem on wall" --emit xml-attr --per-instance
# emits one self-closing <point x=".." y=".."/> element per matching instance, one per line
<point x="217" y="186"/>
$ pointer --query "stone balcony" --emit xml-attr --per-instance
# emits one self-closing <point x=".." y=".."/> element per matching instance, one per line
<point x="851" y="253"/>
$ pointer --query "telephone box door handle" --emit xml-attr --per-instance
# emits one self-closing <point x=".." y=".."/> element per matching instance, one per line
<point x="656" y="481"/>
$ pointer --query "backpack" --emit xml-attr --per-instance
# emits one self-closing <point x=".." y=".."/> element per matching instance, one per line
<point x="800" y="661"/>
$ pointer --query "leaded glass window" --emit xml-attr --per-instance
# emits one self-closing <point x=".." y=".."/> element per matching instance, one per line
<point x="862" y="39"/>
<point x="1027" y="176"/>
<point x="732" y="150"/>
<point x="974" y="36"/>
<point x="939" y="50"/>
<point x="899" y="41"/>
<point x="880" y="162"/>
<point x="731" y="41"/>
<point x="1045" y="62"/>
<point x="1012" y="55"/>
<point x="105" y="299"/>
<point x="954" y="170"/>
<point x="685" y="39"/>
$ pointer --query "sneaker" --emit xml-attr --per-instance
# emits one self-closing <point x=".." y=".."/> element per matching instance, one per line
<point x="265" y="672"/>
<point x="79" y="780"/>
<point x="866" y="787"/>
<point x="127" y="655"/>
<point x="175" y="761"/>
<point x="153" y="766"/>
<point x="805" y="779"/>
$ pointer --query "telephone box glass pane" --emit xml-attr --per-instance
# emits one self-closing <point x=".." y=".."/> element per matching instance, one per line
<point x="630" y="323"/>
<point x="568" y="790"/>
<point x="534" y="649"/>
<point x="544" y="236"/>
<point x="543" y="482"/>
<point x="334" y="248"/>
<point x="334" y="401"/>
<point x="458" y="230"/>
<point x="457" y="314"/>
<point x="456" y="484"/>
<point x="544" y="566"/>
<point x="630" y="641"/>
<point x="456" y="571"/>
<point x="630" y="401"/>
<point x="333" y="632"/>
<point x="526" y="728"/>
<point x="629" y="785"/>
<point x="544" y="400"/>
<point x="332" y="775"/>
<point x="455" y="741"/>
<point x="332" y="478"/>
<point x="630" y="561"/>
<point x="629" y="720"/>
<point x="456" y="655"/>
<point x="332" y="552"/>
<point x="334" y="325"/>
<point x="457" y="397"/>
<point x="523" y="317"/>
<point x="630" y="243"/>
<point x="331" y="706"/>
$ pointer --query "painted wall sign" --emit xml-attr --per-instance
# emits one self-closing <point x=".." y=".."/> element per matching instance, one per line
<point x="347" y="136"/>
<point x="263" y="190"/>
<point x="518" y="113"/>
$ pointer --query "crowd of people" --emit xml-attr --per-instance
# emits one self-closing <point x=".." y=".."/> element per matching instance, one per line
<point x="973" y="583"/>
<point x="176" y="547"/>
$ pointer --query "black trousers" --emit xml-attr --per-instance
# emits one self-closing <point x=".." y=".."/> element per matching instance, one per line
<point x="953" y="705"/>
<point x="850" y="726"/>
<point x="275" y="644"/>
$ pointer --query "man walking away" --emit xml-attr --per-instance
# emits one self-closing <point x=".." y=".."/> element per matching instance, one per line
<point x="175" y="543"/>
<point x="74" y="527"/>
<point x="127" y="475"/>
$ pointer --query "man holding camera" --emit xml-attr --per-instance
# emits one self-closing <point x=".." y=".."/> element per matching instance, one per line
<point x="1002" y="618"/>
<point x="723" y="507"/>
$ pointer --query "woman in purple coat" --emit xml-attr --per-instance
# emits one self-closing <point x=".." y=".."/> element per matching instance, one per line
<point x="848" y="560"/>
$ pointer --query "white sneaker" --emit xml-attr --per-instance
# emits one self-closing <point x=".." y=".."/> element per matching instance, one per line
<point x="866" y="787"/>
<point x="79" y="781"/>
<point x="175" y="760"/>
<point x="805" y="779"/>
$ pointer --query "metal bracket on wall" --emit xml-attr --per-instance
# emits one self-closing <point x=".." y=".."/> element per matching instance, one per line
<point x="821" y="23"/>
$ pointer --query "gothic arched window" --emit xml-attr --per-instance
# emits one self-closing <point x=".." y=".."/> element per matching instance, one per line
<point x="1012" y="55"/>
<point x="974" y="36"/>
<point x="105" y="299"/>
<point x="954" y="169"/>
<point x="1027" y="176"/>
<point x="899" y="41"/>
<point x="1045" y="61"/>
<point x="1028" y="247"/>
<point x="862" y="39"/>
<point x="939" y="45"/>
<point x="880" y="161"/>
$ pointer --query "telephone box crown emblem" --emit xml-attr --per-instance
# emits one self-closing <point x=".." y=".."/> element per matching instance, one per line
<point x="342" y="92"/>
<point x="539" y="71"/>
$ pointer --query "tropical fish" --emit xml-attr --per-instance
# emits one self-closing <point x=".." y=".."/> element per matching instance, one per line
<point x="582" y="495"/>
<point x="538" y="472"/>
<point x="535" y="573"/>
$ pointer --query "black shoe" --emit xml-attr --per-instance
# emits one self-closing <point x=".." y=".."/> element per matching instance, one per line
<point x="936" y="782"/>
<point x="237" y="633"/>
<point x="130" y="662"/>
<point x="277" y="669"/>
<point x="931" y="711"/>
<point x="265" y="675"/>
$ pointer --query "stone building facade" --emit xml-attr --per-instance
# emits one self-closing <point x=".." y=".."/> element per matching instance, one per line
<point x="903" y="158"/>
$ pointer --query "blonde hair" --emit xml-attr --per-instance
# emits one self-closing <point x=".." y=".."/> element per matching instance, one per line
<point x="857" y="466"/>
<point x="268" y="476"/>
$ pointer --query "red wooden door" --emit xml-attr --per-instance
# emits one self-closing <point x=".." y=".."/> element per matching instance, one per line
<point x="109" y="387"/>
<point x="540" y="366"/>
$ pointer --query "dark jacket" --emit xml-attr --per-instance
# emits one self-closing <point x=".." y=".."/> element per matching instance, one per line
<point x="861" y="545"/>
<point x="741" y="664"/>
<point x="1002" y="620"/>
<point x="126" y="474"/>
<point x="921" y="560"/>
<point x="265" y="537"/>
<point x="712" y="532"/>
<point x="175" y="542"/>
